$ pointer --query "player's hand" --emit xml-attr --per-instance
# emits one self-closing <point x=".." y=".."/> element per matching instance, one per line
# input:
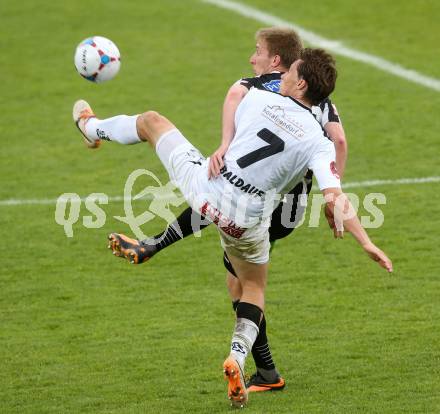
<point x="216" y="162"/>
<point x="338" y="234"/>
<point x="378" y="256"/>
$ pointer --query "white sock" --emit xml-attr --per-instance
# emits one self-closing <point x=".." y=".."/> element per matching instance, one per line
<point x="121" y="128"/>
<point x="243" y="339"/>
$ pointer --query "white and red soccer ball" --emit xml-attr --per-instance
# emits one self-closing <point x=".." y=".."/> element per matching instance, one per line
<point x="97" y="59"/>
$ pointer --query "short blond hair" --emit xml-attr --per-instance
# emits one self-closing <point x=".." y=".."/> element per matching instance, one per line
<point x="283" y="42"/>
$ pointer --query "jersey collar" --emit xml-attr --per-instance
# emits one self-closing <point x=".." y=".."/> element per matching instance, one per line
<point x="298" y="103"/>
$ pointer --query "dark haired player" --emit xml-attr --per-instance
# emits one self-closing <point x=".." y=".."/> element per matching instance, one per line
<point x="276" y="50"/>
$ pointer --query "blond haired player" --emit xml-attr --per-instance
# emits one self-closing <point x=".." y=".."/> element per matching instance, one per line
<point x="293" y="143"/>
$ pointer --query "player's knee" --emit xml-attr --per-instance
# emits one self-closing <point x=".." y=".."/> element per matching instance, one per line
<point x="151" y="118"/>
<point x="153" y="124"/>
<point x="234" y="286"/>
<point x="149" y="124"/>
<point x="253" y="284"/>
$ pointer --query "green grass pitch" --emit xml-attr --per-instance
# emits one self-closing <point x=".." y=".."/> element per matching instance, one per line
<point x="83" y="332"/>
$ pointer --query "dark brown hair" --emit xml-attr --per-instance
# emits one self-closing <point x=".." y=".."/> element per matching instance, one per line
<point x="282" y="42"/>
<point x="319" y="71"/>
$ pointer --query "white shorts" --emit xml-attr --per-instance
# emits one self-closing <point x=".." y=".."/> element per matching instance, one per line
<point x="188" y="170"/>
<point x="252" y="247"/>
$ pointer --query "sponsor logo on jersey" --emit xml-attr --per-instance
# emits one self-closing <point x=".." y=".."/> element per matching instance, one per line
<point x="273" y="85"/>
<point x="277" y="115"/>
<point x="225" y="224"/>
<point x="238" y="182"/>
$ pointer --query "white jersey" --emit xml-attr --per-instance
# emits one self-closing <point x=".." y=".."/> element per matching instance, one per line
<point x="277" y="139"/>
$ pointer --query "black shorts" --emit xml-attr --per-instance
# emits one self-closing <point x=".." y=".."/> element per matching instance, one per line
<point x="287" y="211"/>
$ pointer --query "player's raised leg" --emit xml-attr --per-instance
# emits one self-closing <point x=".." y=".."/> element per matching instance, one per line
<point x="123" y="129"/>
<point x="151" y="126"/>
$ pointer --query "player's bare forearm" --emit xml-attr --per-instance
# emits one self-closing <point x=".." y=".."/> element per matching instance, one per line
<point x="341" y="157"/>
<point x="341" y="215"/>
<point x="336" y="133"/>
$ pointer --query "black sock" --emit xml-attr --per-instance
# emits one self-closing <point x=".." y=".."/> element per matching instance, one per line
<point x="187" y="223"/>
<point x="260" y="350"/>
<point x="235" y="304"/>
<point x="249" y="311"/>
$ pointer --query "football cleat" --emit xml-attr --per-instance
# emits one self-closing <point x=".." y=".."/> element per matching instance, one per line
<point x="237" y="392"/>
<point x="131" y="249"/>
<point x="257" y="383"/>
<point x="82" y="112"/>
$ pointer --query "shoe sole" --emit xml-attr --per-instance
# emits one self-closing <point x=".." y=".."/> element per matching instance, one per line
<point x="119" y="251"/>
<point x="237" y="392"/>
<point x="78" y="107"/>
<point x="115" y="244"/>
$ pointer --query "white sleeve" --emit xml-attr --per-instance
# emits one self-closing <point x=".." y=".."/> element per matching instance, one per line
<point x="323" y="166"/>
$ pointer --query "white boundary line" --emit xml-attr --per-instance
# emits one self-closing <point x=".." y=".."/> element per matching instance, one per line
<point x="331" y="45"/>
<point x="401" y="181"/>
<point x="316" y="40"/>
<point x="354" y="184"/>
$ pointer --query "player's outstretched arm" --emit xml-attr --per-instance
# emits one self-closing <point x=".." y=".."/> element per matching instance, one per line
<point x="337" y="134"/>
<point x="233" y="98"/>
<point x="341" y="215"/>
<point x="327" y="115"/>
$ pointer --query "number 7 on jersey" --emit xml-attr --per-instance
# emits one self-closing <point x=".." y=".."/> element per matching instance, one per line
<point x="276" y="145"/>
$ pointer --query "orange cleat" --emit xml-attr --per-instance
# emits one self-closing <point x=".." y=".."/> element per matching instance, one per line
<point x="237" y="392"/>
<point x="258" y="384"/>
<point x="131" y="249"/>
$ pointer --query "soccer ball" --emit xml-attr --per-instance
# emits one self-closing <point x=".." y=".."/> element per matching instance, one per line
<point x="97" y="59"/>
